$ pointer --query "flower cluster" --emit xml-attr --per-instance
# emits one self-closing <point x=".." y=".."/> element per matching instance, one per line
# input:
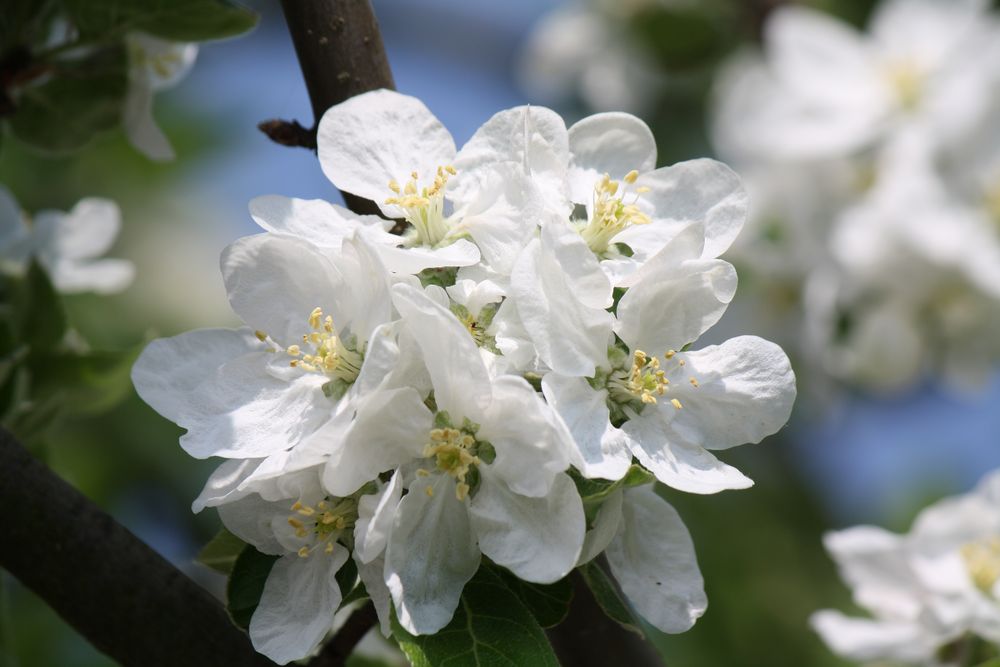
<point x="873" y="161"/>
<point x="934" y="593"/>
<point x="416" y="402"/>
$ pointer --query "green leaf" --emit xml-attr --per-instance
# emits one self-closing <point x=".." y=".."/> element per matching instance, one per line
<point x="607" y="596"/>
<point x="221" y="552"/>
<point x="246" y="584"/>
<point x="491" y="627"/>
<point x="82" y="98"/>
<point x="176" y="20"/>
<point x="37" y="313"/>
<point x="594" y="492"/>
<point x="548" y="603"/>
<point x="347" y="578"/>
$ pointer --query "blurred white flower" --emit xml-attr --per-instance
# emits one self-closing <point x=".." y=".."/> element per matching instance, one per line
<point x="154" y="64"/>
<point x="67" y="245"/>
<point x="930" y="591"/>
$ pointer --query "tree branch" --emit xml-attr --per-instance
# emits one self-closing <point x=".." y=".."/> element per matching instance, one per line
<point x="341" y="54"/>
<point x="122" y="596"/>
<point x="336" y="651"/>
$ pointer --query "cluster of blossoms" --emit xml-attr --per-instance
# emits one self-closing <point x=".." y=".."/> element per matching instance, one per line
<point x="416" y="402"/>
<point x="934" y="593"/>
<point x="874" y="165"/>
<point x="67" y="245"/>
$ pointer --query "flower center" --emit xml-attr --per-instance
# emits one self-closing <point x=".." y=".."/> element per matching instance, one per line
<point x="424" y="207"/>
<point x="907" y="81"/>
<point x="982" y="560"/>
<point x="322" y="351"/>
<point x="454" y="453"/>
<point x="322" y="523"/>
<point x="611" y="213"/>
<point x="646" y="380"/>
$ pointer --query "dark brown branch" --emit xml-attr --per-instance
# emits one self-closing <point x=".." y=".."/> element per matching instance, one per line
<point x="336" y="651"/>
<point x="341" y="54"/>
<point x="588" y="638"/>
<point x="122" y="596"/>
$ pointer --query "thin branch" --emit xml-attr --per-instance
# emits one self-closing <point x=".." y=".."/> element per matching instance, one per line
<point x="122" y="596"/>
<point x="336" y="651"/>
<point x="341" y="54"/>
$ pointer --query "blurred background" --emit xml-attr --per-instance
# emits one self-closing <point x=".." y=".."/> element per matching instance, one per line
<point x="853" y="453"/>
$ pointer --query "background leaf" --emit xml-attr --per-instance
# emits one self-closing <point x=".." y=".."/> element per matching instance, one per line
<point x="177" y="20"/>
<point x="82" y="98"/>
<point x="548" y="603"/>
<point x="246" y="584"/>
<point x="608" y="597"/>
<point x="221" y="552"/>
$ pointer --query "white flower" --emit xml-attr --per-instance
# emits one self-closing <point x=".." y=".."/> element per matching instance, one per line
<point x="483" y="471"/>
<point x="651" y="554"/>
<point x="295" y="519"/>
<point x="925" y="590"/>
<point x="826" y="89"/>
<point x="154" y="65"/>
<point x="665" y="406"/>
<point x="389" y="148"/>
<point x="310" y="346"/>
<point x="67" y="245"/>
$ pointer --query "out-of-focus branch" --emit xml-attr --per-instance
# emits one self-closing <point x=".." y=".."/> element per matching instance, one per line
<point x="122" y="596"/>
<point x="336" y="651"/>
<point x="341" y="54"/>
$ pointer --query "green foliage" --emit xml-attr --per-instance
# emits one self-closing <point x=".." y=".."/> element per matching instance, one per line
<point x="607" y="596"/>
<point x="221" y="552"/>
<point x="246" y="584"/>
<point x="81" y="99"/>
<point x="594" y="492"/>
<point x="176" y="20"/>
<point x="36" y="312"/>
<point x="491" y="627"/>
<point x="548" y="603"/>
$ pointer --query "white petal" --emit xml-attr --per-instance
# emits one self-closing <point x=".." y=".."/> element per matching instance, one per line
<point x="251" y="518"/>
<point x="315" y="220"/>
<point x="531" y="444"/>
<point x="390" y="429"/>
<point x="745" y="392"/>
<point x="296" y="609"/>
<point x="530" y="136"/>
<point x="612" y="143"/>
<point x="373" y="577"/>
<point x="653" y="559"/>
<point x="461" y="384"/>
<point x="376" y="512"/>
<point x="820" y="57"/>
<point x="104" y="276"/>
<point x="409" y="261"/>
<point x="601" y="449"/>
<point x="432" y="554"/>
<point x="140" y="126"/>
<point x="556" y="302"/>
<point x="672" y="304"/>
<point x="223" y="484"/>
<point x="676" y="462"/>
<point x="170" y="369"/>
<point x="475" y="295"/>
<point x="502" y="216"/>
<point x="604" y="529"/>
<point x="538" y="539"/>
<point x="274" y="283"/>
<point x="87" y="231"/>
<point x="863" y="639"/>
<point x="366" y="297"/>
<point x="242" y="412"/>
<point x="703" y="191"/>
<point x="378" y="137"/>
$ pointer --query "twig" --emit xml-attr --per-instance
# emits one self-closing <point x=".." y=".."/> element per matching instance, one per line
<point x="341" y="54"/>
<point x="336" y="651"/>
<point x="122" y="596"/>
